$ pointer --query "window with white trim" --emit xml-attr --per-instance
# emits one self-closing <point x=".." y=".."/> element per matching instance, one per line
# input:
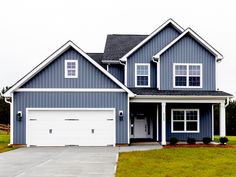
<point x="71" y="68"/>
<point x="142" y="75"/>
<point x="185" y="120"/>
<point x="187" y="75"/>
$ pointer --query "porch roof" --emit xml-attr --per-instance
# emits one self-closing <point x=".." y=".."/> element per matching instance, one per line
<point x="155" y="91"/>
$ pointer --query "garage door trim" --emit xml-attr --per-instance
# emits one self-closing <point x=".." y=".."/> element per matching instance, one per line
<point x="68" y="109"/>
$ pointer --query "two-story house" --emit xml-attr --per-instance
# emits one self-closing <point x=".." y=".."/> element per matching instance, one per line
<point x="153" y="86"/>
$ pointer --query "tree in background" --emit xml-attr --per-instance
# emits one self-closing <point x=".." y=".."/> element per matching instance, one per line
<point x="4" y="109"/>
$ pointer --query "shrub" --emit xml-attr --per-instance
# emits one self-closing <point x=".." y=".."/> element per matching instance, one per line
<point x="206" y="140"/>
<point x="223" y="140"/>
<point x="173" y="141"/>
<point x="191" y="141"/>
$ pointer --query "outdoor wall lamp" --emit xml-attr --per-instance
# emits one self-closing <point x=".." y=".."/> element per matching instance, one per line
<point x="19" y="116"/>
<point x="121" y="115"/>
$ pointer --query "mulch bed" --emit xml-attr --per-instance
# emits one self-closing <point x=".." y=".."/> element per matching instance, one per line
<point x="199" y="145"/>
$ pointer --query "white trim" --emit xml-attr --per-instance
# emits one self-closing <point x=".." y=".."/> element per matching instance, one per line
<point x="69" y="109"/>
<point x="66" y="69"/>
<point x="163" y="123"/>
<point x="135" y="74"/>
<point x="195" y="36"/>
<point x="159" y="75"/>
<point x="185" y="121"/>
<point x="126" y="78"/>
<point x="169" y="21"/>
<point x="146" y="100"/>
<point x="187" y="75"/>
<point x="212" y="115"/>
<point x="110" y="62"/>
<point x="107" y="67"/>
<point x="68" y="90"/>
<point x="54" y="56"/>
<point x="128" y="120"/>
<point x="157" y="124"/>
<point x="12" y="119"/>
<point x="222" y="119"/>
<point x="216" y="75"/>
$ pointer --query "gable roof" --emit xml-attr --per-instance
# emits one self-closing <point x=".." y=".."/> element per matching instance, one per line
<point x="48" y="60"/>
<point x="168" y="22"/>
<point x="117" y="45"/>
<point x="193" y="34"/>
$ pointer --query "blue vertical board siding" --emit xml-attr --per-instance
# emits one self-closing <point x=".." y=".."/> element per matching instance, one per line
<point x="52" y="76"/>
<point x="117" y="70"/>
<point x="23" y="100"/>
<point x="147" y="51"/>
<point x="187" y="50"/>
<point x="205" y="121"/>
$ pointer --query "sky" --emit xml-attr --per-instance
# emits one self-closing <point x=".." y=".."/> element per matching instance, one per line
<point x="31" y="30"/>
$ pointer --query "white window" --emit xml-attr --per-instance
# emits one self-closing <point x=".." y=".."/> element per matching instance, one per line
<point x="71" y="68"/>
<point x="187" y="75"/>
<point x="142" y="75"/>
<point x="185" y="120"/>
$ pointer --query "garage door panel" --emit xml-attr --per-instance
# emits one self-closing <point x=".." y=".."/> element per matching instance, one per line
<point x="67" y="127"/>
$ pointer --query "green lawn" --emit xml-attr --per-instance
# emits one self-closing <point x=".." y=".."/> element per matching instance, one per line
<point x="4" y="141"/>
<point x="232" y="139"/>
<point x="178" y="162"/>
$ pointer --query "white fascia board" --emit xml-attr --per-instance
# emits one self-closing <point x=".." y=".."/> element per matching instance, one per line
<point x="54" y="56"/>
<point x="170" y="21"/>
<point x="182" y="97"/>
<point x="110" y="62"/>
<point x="195" y="36"/>
<point x="69" y="90"/>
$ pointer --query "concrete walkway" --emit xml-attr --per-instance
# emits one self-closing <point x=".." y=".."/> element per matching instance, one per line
<point x="64" y="161"/>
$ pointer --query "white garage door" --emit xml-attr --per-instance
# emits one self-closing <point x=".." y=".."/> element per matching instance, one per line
<point x="71" y="127"/>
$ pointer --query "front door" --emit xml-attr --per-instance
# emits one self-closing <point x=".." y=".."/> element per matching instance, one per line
<point x="140" y="126"/>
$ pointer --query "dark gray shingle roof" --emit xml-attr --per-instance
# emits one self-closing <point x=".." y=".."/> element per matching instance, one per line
<point x="98" y="58"/>
<point x="117" y="45"/>
<point x="154" y="91"/>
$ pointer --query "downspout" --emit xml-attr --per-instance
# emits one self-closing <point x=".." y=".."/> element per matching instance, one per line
<point x="227" y="102"/>
<point x="125" y="72"/>
<point x="155" y="60"/>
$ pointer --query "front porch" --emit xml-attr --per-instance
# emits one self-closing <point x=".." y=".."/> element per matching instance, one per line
<point x="154" y="120"/>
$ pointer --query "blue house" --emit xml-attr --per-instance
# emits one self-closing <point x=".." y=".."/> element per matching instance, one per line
<point x="149" y="87"/>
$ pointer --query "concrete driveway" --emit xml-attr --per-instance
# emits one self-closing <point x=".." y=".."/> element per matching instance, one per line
<point x="59" y="162"/>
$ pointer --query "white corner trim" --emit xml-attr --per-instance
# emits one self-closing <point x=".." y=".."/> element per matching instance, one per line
<point x="12" y="119"/>
<point x="185" y="121"/>
<point x="135" y="74"/>
<point x="66" y="69"/>
<point x="169" y="21"/>
<point x="195" y="36"/>
<point x="54" y="56"/>
<point x="187" y="76"/>
<point x="68" y="90"/>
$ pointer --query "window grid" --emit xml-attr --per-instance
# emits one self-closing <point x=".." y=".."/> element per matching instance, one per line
<point x="191" y="77"/>
<point x="142" y="75"/>
<point x="185" y="120"/>
<point x="71" y="68"/>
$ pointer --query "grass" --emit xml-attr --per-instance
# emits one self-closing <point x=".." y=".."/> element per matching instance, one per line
<point x="178" y="162"/>
<point x="232" y="139"/>
<point x="4" y="141"/>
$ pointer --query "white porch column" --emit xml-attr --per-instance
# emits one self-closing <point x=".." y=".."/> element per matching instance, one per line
<point x="222" y="119"/>
<point x="163" y="123"/>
